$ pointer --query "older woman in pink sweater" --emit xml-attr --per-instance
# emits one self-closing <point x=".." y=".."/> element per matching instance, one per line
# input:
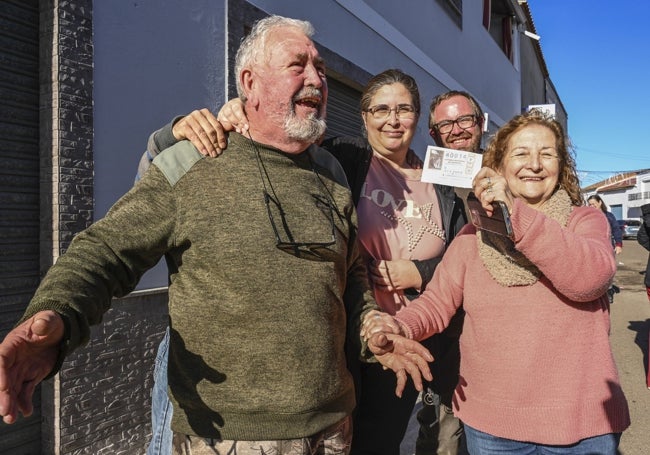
<point x="537" y="372"/>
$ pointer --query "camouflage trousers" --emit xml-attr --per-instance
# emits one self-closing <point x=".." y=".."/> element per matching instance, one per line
<point x="334" y="440"/>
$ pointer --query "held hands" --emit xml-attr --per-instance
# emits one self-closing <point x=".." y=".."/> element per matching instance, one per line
<point x="27" y="355"/>
<point x="396" y="352"/>
<point x="490" y="186"/>
<point x="397" y="275"/>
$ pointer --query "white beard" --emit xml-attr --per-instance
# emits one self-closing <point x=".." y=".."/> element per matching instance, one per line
<point x="305" y="130"/>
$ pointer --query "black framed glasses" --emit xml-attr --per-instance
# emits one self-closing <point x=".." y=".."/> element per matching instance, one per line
<point x="464" y="122"/>
<point x="402" y="111"/>
<point x="285" y="239"/>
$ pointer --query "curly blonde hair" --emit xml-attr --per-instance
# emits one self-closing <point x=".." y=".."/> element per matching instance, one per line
<point x="568" y="178"/>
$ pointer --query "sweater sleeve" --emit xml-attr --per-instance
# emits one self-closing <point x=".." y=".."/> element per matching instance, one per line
<point x="358" y="296"/>
<point x="427" y="267"/>
<point x="158" y="141"/>
<point x="161" y="139"/>
<point x="581" y="249"/>
<point x="108" y="259"/>
<point x="617" y="232"/>
<point x="432" y="311"/>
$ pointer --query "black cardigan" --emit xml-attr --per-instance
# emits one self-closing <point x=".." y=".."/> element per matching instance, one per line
<point x="355" y="153"/>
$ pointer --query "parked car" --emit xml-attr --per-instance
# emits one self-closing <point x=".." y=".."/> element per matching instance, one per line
<point x="629" y="228"/>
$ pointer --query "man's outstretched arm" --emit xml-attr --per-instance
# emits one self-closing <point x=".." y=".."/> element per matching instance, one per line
<point x="28" y="354"/>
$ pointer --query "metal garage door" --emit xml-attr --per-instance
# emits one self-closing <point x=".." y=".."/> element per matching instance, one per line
<point x="343" y="112"/>
<point x="19" y="187"/>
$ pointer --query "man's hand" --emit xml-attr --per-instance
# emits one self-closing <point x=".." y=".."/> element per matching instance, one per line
<point x="27" y="355"/>
<point x="405" y="357"/>
<point x="396" y="275"/>
<point x="204" y="131"/>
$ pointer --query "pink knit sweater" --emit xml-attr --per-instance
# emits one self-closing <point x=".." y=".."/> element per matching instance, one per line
<point x="536" y="363"/>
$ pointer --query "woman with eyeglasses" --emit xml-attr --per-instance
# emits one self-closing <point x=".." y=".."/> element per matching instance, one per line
<point x="405" y="226"/>
<point x="537" y="373"/>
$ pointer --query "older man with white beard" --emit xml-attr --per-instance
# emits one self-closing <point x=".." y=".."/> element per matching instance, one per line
<point x="266" y="275"/>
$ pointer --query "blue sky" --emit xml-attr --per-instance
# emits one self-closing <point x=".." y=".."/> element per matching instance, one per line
<point x="598" y="56"/>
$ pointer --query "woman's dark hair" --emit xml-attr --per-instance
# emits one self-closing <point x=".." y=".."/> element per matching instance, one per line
<point x="595" y="197"/>
<point x="388" y="77"/>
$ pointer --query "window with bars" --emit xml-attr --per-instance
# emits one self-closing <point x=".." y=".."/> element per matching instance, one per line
<point x="498" y="21"/>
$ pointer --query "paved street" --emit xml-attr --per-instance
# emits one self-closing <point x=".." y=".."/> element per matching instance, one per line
<point x="629" y="337"/>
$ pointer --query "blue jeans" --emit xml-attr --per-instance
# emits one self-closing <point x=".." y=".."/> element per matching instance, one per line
<point x="161" y="407"/>
<point x="479" y="443"/>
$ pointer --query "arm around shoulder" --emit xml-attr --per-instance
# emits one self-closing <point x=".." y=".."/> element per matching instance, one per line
<point x="162" y="139"/>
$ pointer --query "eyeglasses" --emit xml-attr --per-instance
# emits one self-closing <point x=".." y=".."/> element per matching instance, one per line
<point x="288" y="243"/>
<point x="402" y="111"/>
<point x="464" y="122"/>
<point x="284" y="237"/>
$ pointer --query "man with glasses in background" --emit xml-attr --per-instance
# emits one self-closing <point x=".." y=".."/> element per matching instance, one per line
<point x="455" y="122"/>
<point x="266" y="274"/>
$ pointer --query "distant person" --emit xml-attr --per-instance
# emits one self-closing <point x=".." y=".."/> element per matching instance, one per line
<point x="537" y="371"/>
<point x="267" y="275"/>
<point x="643" y="237"/>
<point x="616" y="235"/>
<point x="402" y="241"/>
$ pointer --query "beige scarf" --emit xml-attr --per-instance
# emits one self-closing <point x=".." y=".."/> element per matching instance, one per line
<point x="506" y="264"/>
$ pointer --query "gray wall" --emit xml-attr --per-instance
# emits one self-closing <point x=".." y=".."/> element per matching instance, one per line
<point x="153" y="60"/>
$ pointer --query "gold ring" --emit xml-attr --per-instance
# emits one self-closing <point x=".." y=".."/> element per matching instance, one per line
<point x="489" y="182"/>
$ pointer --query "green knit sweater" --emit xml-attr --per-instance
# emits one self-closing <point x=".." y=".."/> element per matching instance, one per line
<point x="257" y="333"/>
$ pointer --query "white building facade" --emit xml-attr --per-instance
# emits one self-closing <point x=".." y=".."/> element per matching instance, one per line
<point x="624" y="194"/>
